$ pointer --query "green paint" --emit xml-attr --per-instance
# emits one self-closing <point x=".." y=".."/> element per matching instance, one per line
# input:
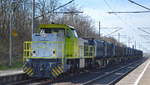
<point x="71" y="48"/>
<point x="71" y="45"/>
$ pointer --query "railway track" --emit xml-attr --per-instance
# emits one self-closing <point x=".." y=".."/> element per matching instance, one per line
<point x="12" y="78"/>
<point x="87" y="77"/>
<point x="29" y="81"/>
<point x="17" y="79"/>
<point x="110" y="78"/>
<point x="22" y="82"/>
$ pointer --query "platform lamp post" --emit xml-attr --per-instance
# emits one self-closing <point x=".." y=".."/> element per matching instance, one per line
<point x="10" y="38"/>
<point x="33" y="15"/>
<point x="10" y="31"/>
<point x="99" y="29"/>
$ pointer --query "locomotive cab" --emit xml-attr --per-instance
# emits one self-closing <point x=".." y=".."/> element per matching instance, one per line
<point x="53" y="41"/>
<point x="49" y="48"/>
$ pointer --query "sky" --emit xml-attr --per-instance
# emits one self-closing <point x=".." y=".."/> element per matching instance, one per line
<point x="129" y="34"/>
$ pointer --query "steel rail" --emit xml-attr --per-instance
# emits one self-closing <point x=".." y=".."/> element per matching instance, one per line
<point x="112" y="72"/>
<point x="22" y="82"/>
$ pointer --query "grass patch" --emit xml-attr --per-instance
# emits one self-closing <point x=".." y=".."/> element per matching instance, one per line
<point x="16" y="65"/>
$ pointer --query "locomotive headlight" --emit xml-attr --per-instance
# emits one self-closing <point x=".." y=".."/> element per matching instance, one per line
<point x="34" y="53"/>
<point x="54" y="52"/>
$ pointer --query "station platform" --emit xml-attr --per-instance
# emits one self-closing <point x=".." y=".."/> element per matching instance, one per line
<point x="10" y="72"/>
<point x="139" y="76"/>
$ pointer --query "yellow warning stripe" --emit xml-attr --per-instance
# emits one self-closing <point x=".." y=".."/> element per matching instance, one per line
<point x="60" y="69"/>
<point x="55" y="72"/>
<point x="31" y="73"/>
<point x="28" y="70"/>
<point x="61" y="66"/>
<point x="25" y="68"/>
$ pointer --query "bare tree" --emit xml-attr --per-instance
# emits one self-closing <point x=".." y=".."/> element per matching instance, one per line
<point x="22" y="17"/>
<point x="45" y="6"/>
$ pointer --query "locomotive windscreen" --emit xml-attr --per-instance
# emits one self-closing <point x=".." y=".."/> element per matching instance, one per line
<point x="49" y="43"/>
<point x="52" y="30"/>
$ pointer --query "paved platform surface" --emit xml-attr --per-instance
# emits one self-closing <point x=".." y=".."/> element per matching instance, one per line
<point x="139" y="76"/>
<point x="10" y="72"/>
<point x="145" y="79"/>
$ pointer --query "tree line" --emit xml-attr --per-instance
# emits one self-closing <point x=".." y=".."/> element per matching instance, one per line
<point x="21" y="11"/>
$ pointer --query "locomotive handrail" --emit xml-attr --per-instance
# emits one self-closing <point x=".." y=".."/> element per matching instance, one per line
<point x="27" y="52"/>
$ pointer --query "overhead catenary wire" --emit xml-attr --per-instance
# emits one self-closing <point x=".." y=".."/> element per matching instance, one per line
<point x="139" y="4"/>
<point x="56" y="8"/>
<point x="145" y="27"/>
<point x="113" y="32"/>
<point x="129" y="12"/>
<point x="125" y="23"/>
<point x="112" y="10"/>
<point x="116" y="14"/>
<point x="143" y="30"/>
<point x="144" y="37"/>
<point x="133" y="11"/>
<point x="73" y="12"/>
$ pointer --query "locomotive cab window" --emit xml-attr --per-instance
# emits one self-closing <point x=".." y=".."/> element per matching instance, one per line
<point x="75" y="33"/>
<point x="71" y="33"/>
<point x="52" y="30"/>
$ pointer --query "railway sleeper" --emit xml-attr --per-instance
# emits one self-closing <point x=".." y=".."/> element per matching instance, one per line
<point x="12" y="78"/>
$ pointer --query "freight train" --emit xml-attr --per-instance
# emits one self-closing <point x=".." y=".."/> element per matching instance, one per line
<point x="57" y="49"/>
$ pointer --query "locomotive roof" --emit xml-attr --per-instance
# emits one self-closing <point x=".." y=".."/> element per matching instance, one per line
<point x="60" y="26"/>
